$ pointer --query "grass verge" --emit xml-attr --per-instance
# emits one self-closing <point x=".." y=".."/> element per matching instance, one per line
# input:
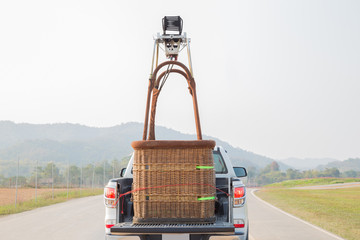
<point x="46" y="199"/>
<point x="336" y="210"/>
<point x="312" y="182"/>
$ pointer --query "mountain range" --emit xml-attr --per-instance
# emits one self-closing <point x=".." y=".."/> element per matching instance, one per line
<point x="77" y="143"/>
<point x="352" y="164"/>
<point x="307" y="163"/>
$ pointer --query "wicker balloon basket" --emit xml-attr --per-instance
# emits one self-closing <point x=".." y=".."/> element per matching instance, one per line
<point x="177" y="177"/>
<point x="173" y="181"/>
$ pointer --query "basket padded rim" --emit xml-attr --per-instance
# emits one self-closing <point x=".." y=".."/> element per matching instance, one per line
<point x="166" y="144"/>
<point x="174" y="220"/>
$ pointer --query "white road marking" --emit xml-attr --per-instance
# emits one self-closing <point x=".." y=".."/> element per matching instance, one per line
<point x="288" y="214"/>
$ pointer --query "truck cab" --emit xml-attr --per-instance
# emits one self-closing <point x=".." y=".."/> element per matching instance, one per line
<point x="230" y="207"/>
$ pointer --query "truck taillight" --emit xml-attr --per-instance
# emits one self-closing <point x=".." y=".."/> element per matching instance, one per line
<point x="239" y="223"/>
<point x="239" y="192"/>
<point x="239" y="196"/>
<point x="110" y="192"/>
<point x="110" y="197"/>
<point x="110" y="223"/>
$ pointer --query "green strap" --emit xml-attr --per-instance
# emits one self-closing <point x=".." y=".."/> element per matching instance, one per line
<point x="204" y="167"/>
<point x="205" y="198"/>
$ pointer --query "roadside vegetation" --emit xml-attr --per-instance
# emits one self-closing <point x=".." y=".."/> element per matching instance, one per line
<point x="40" y="184"/>
<point x="336" y="210"/>
<point x="45" y="183"/>
<point x="60" y="174"/>
<point x="313" y="182"/>
<point x="273" y="174"/>
<point x="45" y="197"/>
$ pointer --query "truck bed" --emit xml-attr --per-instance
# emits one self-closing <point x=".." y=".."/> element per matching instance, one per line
<point x="220" y="227"/>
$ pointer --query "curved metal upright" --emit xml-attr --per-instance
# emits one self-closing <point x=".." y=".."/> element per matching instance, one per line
<point x="154" y="91"/>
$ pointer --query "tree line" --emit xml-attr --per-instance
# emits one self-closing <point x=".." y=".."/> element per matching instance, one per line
<point x="272" y="174"/>
<point x="66" y="175"/>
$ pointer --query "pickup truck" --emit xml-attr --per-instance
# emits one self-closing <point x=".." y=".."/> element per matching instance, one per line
<point x="230" y="207"/>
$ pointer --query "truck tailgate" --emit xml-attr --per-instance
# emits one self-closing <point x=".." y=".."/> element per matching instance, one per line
<point x="135" y="229"/>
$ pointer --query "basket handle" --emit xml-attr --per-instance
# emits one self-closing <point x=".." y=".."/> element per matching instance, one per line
<point x="154" y="89"/>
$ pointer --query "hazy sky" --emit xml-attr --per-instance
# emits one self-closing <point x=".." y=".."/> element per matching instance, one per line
<point x="278" y="78"/>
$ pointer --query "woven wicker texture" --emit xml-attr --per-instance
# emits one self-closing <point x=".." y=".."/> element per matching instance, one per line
<point x="175" y="181"/>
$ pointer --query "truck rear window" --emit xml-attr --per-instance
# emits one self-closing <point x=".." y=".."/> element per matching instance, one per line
<point x="219" y="164"/>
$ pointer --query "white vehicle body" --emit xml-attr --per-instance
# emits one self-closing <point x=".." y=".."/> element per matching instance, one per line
<point x="237" y="208"/>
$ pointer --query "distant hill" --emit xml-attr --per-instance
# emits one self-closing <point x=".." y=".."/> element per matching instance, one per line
<point x="78" y="143"/>
<point x="306" y="163"/>
<point x="343" y="166"/>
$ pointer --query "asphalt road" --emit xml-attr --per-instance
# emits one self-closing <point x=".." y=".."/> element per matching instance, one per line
<point x="270" y="223"/>
<point x="84" y="219"/>
<point x="76" y="219"/>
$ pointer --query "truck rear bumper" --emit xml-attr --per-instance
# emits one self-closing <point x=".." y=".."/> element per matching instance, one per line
<point x="171" y="237"/>
<point x="222" y="231"/>
<point x="124" y="229"/>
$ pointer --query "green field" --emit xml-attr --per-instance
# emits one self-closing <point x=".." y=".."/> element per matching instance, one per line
<point x="336" y="210"/>
<point x="312" y="182"/>
<point x="46" y="199"/>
